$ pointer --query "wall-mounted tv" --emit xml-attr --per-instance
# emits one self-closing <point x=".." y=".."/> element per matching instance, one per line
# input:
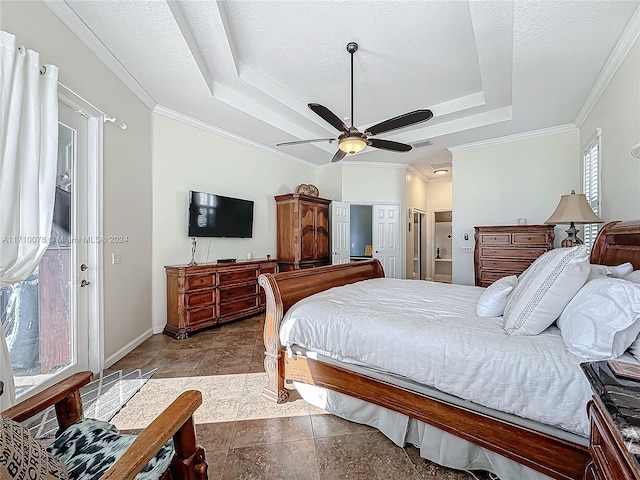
<point x="217" y="216"/>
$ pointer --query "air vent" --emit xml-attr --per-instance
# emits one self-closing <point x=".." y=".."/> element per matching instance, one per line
<point x="438" y="166"/>
<point x="426" y="143"/>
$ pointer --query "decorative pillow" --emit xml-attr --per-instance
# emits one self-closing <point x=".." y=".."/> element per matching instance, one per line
<point x="603" y="319"/>
<point x="544" y="289"/>
<point x="90" y="447"/>
<point x="494" y="298"/>
<point x="633" y="276"/>
<point x="618" y="271"/>
<point x="22" y="457"/>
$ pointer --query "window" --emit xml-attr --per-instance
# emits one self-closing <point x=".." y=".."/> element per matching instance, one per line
<point x="591" y="186"/>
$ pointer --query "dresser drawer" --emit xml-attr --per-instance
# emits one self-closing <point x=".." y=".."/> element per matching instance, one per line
<point x="200" y="315"/>
<point x="273" y="269"/>
<point x="530" y="253"/>
<point x="529" y="239"/>
<point x="199" y="298"/>
<point x="495" y="238"/>
<point x="199" y="281"/>
<point x="491" y="276"/>
<point x="237" y="275"/>
<point x="231" y="308"/>
<point x="505" y="265"/>
<point x="234" y="293"/>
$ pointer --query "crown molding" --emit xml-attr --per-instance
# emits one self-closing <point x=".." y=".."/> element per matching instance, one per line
<point x="65" y="13"/>
<point x="414" y="171"/>
<point x="207" y="127"/>
<point x="512" y="138"/>
<point x="619" y="53"/>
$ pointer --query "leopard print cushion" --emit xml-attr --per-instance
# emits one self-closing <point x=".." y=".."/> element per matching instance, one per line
<point x="90" y="447"/>
<point x="23" y="458"/>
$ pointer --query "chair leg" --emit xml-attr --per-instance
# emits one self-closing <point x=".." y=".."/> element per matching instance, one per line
<point x="189" y="462"/>
<point x="69" y="411"/>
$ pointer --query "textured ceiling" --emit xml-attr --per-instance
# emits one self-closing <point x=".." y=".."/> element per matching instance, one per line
<point x="485" y="68"/>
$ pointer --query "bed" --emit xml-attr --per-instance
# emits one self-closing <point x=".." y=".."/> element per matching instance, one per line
<point x="424" y="412"/>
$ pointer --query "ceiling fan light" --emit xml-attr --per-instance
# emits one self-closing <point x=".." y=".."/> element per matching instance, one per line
<point x="352" y="144"/>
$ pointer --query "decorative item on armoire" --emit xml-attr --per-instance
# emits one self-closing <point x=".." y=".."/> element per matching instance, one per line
<point x="308" y="189"/>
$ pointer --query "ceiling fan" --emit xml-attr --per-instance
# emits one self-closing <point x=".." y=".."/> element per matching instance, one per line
<point x="351" y="140"/>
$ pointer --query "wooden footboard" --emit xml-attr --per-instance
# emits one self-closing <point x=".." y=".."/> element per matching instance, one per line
<point x="282" y="291"/>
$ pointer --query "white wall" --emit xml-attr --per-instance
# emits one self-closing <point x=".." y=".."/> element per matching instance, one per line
<point x="617" y="112"/>
<point x="499" y="183"/>
<point x="439" y="198"/>
<point x="127" y="165"/>
<point x="329" y="181"/>
<point x="187" y="158"/>
<point x="373" y="183"/>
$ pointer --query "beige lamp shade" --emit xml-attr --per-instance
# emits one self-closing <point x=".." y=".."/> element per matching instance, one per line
<point x="573" y="208"/>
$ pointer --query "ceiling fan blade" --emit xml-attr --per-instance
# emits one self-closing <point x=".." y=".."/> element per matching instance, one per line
<point x="400" y="122"/>
<point x="329" y="117"/>
<point x="389" y="145"/>
<point x="299" y="142"/>
<point x="338" y="156"/>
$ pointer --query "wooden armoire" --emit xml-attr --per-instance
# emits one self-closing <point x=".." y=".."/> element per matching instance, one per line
<point x="303" y="231"/>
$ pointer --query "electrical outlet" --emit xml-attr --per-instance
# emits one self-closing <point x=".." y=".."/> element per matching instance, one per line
<point x="466" y="249"/>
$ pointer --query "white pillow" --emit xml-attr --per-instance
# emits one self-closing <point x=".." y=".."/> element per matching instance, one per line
<point x="603" y="319"/>
<point x="494" y="298"/>
<point x="618" y="271"/>
<point x="544" y="289"/>
<point x="633" y="276"/>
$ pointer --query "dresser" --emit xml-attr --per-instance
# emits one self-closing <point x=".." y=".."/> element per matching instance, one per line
<point x="200" y="296"/>
<point x="508" y="250"/>
<point x="614" y="414"/>
<point x="302" y="231"/>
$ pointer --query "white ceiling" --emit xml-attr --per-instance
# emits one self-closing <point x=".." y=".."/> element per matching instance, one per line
<point x="485" y="68"/>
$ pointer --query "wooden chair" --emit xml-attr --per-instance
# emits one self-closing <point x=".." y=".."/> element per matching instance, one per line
<point x="176" y="420"/>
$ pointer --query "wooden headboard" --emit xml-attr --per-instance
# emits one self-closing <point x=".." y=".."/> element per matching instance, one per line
<point x="618" y="242"/>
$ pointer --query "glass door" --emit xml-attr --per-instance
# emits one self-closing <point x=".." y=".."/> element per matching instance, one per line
<point x="45" y="317"/>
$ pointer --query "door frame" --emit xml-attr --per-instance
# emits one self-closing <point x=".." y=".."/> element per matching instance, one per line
<point x="423" y="246"/>
<point x="95" y="214"/>
<point x="432" y="251"/>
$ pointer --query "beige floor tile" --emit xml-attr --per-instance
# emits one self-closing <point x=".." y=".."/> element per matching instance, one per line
<point x="254" y="405"/>
<point x="271" y="430"/>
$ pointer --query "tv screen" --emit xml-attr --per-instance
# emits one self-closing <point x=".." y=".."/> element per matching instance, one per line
<point x="217" y="216"/>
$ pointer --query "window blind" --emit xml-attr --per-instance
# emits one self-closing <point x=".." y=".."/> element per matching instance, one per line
<point x="591" y="186"/>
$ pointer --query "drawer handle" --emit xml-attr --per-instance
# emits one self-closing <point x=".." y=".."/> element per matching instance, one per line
<point x="202" y="315"/>
<point x="201" y="299"/>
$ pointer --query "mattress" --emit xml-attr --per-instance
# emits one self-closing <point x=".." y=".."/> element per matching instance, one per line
<point x="428" y="332"/>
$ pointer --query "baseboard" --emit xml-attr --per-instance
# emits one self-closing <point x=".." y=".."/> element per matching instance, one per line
<point x="158" y="329"/>
<point x="127" y="349"/>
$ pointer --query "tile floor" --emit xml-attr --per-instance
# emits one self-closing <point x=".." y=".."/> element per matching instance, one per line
<point x="249" y="437"/>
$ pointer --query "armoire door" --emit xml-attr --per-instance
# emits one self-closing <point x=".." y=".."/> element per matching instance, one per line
<point x="322" y="233"/>
<point x="307" y="232"/>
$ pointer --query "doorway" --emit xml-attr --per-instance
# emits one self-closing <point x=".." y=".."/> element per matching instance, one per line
<point x="46" y="318"/>
<point x="369" y="231"/>
<point x="442" y="246"/>
<point x="419" y="270"/>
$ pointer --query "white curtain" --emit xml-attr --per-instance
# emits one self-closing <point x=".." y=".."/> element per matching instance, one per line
<point x="28" y="156"/>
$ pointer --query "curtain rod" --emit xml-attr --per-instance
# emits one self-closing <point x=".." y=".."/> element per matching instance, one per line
<point x="106" y="118"/>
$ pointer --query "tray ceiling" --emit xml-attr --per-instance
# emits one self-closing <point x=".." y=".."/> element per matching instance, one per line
<point x="485" y="68"/>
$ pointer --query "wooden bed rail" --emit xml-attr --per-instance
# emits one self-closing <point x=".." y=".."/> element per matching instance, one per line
<point x="284" y="289"/>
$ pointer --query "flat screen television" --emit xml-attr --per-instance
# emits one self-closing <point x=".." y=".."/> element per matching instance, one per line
<point x="217" y="216"/>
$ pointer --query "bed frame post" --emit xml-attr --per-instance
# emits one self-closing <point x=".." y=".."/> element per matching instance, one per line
<point x="274" y="360"/>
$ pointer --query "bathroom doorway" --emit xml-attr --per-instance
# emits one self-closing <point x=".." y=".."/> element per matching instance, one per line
<point x="442" y="246"/>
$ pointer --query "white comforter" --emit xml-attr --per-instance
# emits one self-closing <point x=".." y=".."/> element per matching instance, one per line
<point x="429" y="333"/>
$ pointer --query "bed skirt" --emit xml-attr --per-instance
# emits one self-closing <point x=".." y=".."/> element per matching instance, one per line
<point x="434" y="444"/>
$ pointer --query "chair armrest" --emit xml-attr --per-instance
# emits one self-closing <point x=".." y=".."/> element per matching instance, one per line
<point x="152" y="439"/>
<point x="58" y="393"/>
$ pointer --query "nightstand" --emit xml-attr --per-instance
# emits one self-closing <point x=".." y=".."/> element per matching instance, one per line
<point x="614" y="414"/>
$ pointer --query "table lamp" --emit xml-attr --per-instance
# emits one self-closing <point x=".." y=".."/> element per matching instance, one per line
<point x="573" y="209"/>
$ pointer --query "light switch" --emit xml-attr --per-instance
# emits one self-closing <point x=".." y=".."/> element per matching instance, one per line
<point x="115" y="258"/>
<point x="466" y="249"/>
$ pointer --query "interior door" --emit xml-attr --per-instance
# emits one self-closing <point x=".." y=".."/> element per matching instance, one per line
<point x="340" y="228"/>
<point x="386" y="239"/>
